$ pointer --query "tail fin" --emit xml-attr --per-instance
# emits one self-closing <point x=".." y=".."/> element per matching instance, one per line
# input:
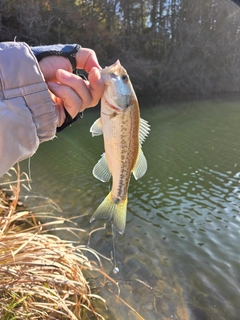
<point x="109" y="210"/>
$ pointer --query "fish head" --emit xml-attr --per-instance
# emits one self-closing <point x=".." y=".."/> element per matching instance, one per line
<point x="119" y="92"/>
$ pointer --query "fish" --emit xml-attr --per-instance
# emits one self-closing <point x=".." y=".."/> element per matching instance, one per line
<point x="123" y="132"/>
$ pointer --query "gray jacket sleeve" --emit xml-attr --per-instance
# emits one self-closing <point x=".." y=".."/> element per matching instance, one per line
<point x="27" y="114"/>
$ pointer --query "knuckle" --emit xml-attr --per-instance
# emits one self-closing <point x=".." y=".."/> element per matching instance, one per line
<point x="92" y="53"/>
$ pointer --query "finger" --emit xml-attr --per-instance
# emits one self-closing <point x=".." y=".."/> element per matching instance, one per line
<point x="96" y="85"/>
<point x="89" y="91"/>
<point x="86" y="59"/>
<point x="49" y="66"/>
<point x="60" y="111"/>
<point x="66" y="97"/>
<point x="80" y="86"/>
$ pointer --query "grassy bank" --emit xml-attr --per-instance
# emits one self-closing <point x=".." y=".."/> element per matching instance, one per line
<point x="41" y="275"/>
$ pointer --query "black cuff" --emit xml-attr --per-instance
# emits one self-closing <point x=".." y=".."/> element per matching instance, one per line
<point x="69" y="120"/>
<point x="68" y="51"/>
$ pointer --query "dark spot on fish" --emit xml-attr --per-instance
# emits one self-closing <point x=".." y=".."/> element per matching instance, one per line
<point x="113" y="115"/>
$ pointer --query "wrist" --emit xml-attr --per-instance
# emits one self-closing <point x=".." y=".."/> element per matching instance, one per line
<point x="68" y="51"/>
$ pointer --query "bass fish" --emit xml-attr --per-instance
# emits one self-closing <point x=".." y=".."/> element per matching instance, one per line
<point x="123" y="133"/>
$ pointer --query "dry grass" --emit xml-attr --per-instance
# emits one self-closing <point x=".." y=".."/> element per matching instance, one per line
<point x="42" y="276"/>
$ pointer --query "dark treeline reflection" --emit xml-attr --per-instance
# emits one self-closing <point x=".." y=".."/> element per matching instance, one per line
<point x="167" y="46"/>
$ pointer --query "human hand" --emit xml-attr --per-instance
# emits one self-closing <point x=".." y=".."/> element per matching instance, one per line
<point x="68" y="90"/>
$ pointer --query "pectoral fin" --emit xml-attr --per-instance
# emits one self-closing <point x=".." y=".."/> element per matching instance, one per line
<point x="141" y="166"/>
<point x="101" y="171"/>
<point x="96" y="128"/>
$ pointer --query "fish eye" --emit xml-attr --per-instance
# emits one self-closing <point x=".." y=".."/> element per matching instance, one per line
<point x="124" y="77"/>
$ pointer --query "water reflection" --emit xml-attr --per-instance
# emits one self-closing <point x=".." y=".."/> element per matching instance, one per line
<point x="182" y="233"/>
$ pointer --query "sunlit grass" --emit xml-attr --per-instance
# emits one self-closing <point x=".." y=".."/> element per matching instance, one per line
<point x="42" y="276"/>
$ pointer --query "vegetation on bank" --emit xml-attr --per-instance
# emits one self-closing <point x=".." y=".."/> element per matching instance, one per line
<point x="167" y="46"/>
<point x="41" y="275"/>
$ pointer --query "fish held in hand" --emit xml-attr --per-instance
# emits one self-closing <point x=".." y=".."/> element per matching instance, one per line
<point x="123" y="132"/>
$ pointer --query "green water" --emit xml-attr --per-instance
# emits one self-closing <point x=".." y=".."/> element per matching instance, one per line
<point x="182" y="235"/>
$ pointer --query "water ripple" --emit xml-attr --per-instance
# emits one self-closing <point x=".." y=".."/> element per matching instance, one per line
<point x="183" y="215"/>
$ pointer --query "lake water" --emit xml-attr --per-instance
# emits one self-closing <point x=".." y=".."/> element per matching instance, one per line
<point x="179" y="257"/>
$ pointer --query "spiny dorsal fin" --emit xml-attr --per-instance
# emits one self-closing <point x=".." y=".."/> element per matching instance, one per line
<point x="144" y="130"/>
